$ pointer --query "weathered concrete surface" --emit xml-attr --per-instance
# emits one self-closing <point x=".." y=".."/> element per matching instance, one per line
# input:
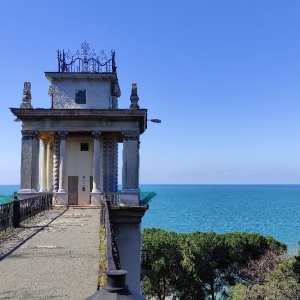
<point x="57" y="257"/>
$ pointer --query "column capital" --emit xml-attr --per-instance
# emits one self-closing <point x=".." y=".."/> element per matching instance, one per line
<point x="30" y="134"/>
<point x="96" y="135"/>
<point x="45" y="141"/>
<point x="131" y="135"/>
<point x="62" y="134"/>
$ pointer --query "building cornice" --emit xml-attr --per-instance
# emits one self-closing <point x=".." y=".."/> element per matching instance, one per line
<point x="110" y="77"/>
<point x="99" y="115"/>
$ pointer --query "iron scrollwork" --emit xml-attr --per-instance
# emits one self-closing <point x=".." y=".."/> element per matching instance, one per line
<point x="85" y="60"/>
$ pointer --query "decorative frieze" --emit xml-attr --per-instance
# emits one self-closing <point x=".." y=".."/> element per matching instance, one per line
<point x="55" y="163"/>
<point x="110" y="163"/>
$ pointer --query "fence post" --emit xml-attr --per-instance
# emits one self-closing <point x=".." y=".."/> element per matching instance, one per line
<point x="16" y="213"/>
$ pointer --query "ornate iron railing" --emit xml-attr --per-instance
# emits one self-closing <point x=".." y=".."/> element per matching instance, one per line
<point x="115" y="250"/>
<point x="17" y="211"/>
<point x="85" y="60"/>
<point x="33" y="206"/>
<point x="5" y="216"/>
<point x="112" y="252"/>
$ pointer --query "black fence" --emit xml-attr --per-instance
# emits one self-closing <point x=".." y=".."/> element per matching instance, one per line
<point x="17" y="211"/>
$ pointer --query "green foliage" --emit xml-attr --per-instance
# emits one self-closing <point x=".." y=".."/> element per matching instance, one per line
<point x="201" y="265"/>
<point x="206" y="260"/>
<point x="275" y="281"/>
<point x="168" y="275"/>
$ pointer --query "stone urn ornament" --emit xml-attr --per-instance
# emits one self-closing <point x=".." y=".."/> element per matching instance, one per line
<point x="26" y="96"/>
<point x="134" y="98"/>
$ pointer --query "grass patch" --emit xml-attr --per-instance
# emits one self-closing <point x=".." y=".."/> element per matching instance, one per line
<point x="102" y="265"/>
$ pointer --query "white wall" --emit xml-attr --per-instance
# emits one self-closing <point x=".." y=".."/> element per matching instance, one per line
<point x="98" y="95"/>
<point x="80" y="163"/>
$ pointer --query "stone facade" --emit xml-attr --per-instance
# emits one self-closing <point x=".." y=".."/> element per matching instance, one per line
<point x="63" y="129"/>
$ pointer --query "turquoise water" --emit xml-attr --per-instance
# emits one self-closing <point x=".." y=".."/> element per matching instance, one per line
<point x="268" y="209"/>
<point x="6" y="190"/>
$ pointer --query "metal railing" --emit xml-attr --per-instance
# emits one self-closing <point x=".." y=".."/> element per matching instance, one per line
<point x="113" y="198"/>
<point x="85" y="60"/>
<point x="17" y="211"/>
<point x="112" y="252"/>
<point x="5" y="216"/>
<point x="33" y="206"/>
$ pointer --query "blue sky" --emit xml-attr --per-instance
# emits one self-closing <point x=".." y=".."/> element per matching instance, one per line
<point x="223" y="76"/>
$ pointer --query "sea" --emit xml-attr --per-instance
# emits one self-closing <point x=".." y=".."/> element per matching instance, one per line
<point x="272" y="210"/>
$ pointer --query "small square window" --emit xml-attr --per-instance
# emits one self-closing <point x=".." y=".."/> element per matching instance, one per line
<point x="80" y="96"/>
<point x="84" y="147"/>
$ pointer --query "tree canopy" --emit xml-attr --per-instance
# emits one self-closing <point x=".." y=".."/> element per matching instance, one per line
<point x="201" y="265"/>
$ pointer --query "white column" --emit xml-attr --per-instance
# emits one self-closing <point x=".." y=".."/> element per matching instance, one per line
<point x="97" y="162"/>
<point x="48" y="168"/>
<point x="62" y="162"/>
<point x="44" y="167"/>
<point x="35" y="161"/>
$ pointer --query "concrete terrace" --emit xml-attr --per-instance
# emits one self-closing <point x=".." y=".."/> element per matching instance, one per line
<point x="53" y="256"/>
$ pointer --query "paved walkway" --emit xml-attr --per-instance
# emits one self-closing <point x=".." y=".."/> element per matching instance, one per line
<point x="54" y="256"/>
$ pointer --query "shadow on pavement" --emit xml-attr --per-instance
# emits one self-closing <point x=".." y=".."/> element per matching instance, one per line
<point x="38" y="229"/>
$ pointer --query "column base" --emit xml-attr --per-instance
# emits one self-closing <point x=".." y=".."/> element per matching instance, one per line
<point x="95" y="198"/>
<point x="61" y="198"/>
<point x="130" y="197"/>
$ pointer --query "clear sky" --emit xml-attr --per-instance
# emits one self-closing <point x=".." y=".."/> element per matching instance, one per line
<point x="222" y="75"/>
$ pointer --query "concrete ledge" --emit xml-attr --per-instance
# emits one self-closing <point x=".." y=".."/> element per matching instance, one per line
<point x="127" y="214"/>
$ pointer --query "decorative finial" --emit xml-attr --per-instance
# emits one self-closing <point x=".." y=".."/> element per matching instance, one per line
<point x="26" y="97"/>
<point x="134" y="98"/>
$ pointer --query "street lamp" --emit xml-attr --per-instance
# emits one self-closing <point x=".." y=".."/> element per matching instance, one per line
<point x="154" y="120"/>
